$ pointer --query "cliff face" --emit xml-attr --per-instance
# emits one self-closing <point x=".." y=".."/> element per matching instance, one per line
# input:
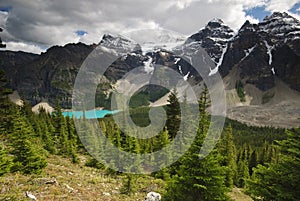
<point x="47" y="76"/>
<point x="261" y="52"/>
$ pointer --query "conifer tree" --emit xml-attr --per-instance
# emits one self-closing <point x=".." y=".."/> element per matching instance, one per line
<point x="165" y="156"/>
<point x="6" y="107"/>
<point x="129" y="184"/>
<point x="242" y="173"/>
<point x="28" y="156"/>
<point x="72" y="140"/>
<point x="173" y="114"/>
<point x="198" y="179"/>
<point x="253" y="161"/>
<point x="228" y="152"/>
<point x="279" y="181"/>
<point x="5" y="161"/>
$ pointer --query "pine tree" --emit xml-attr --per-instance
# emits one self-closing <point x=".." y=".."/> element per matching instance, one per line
<point x="28" y="156"/>
<point x="164" y="157"/>
<point x="173" y="114"/>
<point x="72" y="140"/>
<point x="198" y="179"/>
<point x="129" y="184"/>
<point x="61" y="131"/>
<point x="228" y="152"/>
<point x="6" y="107"/>
<point x="279" y="181"/>
<point x="253" y="162"/>
<point x="242" y="173"/>
<point x="5" y="161"/>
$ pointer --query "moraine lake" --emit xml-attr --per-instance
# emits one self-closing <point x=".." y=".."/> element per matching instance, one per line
<point x="89" y="114"/>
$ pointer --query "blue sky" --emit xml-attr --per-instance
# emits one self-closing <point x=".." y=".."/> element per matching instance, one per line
<point x="6" y="9"/>
<point x="258" y="12"/>
<point x="81" y="33"/>
<point x="295" y="8"/>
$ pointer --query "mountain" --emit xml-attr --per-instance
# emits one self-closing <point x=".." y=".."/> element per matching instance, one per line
<point x="155" y="39"/>
<point x="259" y="64"/>
<point x="47" y="76"/>
<point x="213" y="38"/>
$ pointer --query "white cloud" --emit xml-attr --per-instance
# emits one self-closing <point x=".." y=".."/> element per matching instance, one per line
<point x="17" y="46"/>
<point x="54" y="22"/>
<point x="280" y="5"/>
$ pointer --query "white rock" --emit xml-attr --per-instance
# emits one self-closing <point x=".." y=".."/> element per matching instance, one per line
<point x="30" y="195"/>
<point x="152" y="196"/>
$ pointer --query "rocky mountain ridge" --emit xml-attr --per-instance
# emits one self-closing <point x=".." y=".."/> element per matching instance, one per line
<point x="253" y="59"/>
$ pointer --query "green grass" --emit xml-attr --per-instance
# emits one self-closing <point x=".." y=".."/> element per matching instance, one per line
<point x="75" y="182"/>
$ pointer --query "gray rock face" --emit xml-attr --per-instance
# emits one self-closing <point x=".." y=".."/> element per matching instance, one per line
<point x="47" y="76"/>
<point x="261" y="51"/>
<point x="213" y="38"/>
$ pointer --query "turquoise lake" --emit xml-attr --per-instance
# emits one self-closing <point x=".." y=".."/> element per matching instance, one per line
<point x="89" y="114"/>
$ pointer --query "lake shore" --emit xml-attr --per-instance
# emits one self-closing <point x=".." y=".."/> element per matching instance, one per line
<point x="71" y="110"/>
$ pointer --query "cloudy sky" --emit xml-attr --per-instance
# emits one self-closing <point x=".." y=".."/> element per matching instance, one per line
<point x="35" y="25"/>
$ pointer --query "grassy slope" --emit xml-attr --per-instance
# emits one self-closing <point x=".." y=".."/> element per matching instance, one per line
<point x="237" y="195"/>
<point x="75" y="182"/>
<point x="78" y="182"/>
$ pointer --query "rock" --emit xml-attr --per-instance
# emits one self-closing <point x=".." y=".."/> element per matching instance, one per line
<point x="30" y="195"/>
<point x="69" y="188"/>
<point x="53" y="182"/>
<point x="42" y="105"/>
<point x="106" y="194"/>
<point x="152" y="196"/>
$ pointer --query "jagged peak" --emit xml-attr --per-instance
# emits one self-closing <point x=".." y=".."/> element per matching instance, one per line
<point x="216" y="20"/>
<point x="284" y="18"/>
<point x="69" y="46"/>
<point x="277" y="15"/>
<point x="119" y="42"/>
<point x="215" y="23"/>
<point x="248" y="26"/>
<point x="281" y="25"/>
<point x="111" y="38"/>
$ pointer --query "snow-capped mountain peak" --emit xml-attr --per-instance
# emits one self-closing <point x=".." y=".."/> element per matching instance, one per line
<point x="277" y="16"/>
<point x="214" y="23"/>
<point x="281" y="26"/>
<point x="154" y="39"/>
<point x="213" y="38"/>
<point x="119" y="43"/>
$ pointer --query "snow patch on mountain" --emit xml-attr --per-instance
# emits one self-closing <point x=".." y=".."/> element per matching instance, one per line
<point x="248" y="52"/>
<point x="155" y="39"/>
<point x="180" y="69"/>
<point x="149" y="68"/>
<point x="281" y="26"/>
<point x="269" y="52"/>
<point x="118" y="43"/>
<point x="185" y="78"/>
<point x="216" y="69"/>
<point x="108" y="50"/>
<point x="177" y="60"/>
<point x="273" y="71"/>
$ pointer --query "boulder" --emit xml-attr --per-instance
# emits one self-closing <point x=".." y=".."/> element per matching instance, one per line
<point x="152" y="196"/>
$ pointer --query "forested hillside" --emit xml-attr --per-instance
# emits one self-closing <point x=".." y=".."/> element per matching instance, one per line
<point x="246" y="157"/>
